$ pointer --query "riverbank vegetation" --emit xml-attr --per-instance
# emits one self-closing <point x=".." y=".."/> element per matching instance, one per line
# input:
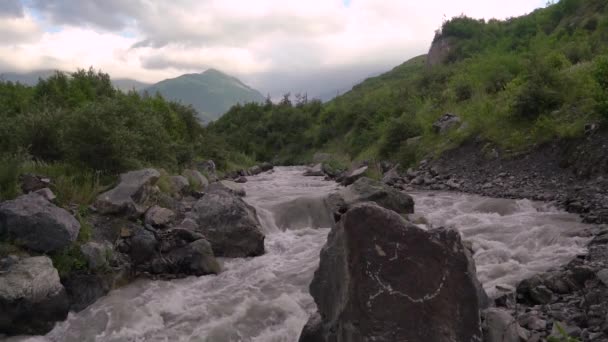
<point x="80" y="131"/>
<point x="515" y="84"/>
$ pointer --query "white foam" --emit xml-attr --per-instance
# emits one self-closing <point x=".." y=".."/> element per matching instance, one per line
<point x="512" y="239"/>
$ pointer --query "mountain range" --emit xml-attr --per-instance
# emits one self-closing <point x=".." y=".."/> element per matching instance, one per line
<point x="211" y="92"/>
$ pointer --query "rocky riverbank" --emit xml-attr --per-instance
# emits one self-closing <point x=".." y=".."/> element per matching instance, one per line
<point x="63" y="259"/>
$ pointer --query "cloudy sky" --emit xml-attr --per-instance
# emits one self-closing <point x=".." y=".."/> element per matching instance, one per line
<point x="317" y="46"/>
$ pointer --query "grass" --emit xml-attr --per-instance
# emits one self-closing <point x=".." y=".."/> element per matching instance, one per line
<point x="69" y="260"/>
<point x="70" y="184"/>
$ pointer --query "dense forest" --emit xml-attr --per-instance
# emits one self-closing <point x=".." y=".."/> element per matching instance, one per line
<point x="514" y="83"/>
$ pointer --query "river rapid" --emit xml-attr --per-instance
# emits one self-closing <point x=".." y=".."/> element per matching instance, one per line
<point x="266" y="298"/>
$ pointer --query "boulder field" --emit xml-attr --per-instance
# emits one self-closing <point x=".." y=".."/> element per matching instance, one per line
<point x="132" y="230"/>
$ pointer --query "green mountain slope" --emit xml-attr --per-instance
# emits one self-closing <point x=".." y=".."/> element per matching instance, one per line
<point x="211" y="93"/>
<point x="514" y="84"/>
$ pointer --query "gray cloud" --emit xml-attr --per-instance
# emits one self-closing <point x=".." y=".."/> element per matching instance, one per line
<point x="11" y="8"/>
<point x="112" y="15"/>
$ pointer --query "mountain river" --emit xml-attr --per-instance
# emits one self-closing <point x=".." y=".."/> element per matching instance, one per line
<point x="265" y="299"/>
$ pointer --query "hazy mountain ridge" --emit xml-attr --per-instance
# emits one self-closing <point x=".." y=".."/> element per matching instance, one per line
<point x="211" y="92"/>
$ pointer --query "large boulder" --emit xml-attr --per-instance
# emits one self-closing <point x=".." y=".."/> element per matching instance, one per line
<point x="31" y="297"/>
<point x="129" y="195"/>
<point x="34" y="222"/>
<point x="227" y="186"/>
<point x="445" y="123"/>
<point x="353" y="175"/>
<point x="380" y="278"/>
<point x="230" y="224"/>
<point x="369" y="190"/>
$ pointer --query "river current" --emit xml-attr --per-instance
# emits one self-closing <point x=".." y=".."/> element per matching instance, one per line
<point x="265" y="299"/>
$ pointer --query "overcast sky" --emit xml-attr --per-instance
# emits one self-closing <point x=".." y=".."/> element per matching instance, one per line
<point x="316" y="46"/>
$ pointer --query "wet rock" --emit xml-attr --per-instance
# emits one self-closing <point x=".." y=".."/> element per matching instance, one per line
<point x="313" y="330"/>
<point x="230" y="225"/>
<point x="196" y="179"/>
<point x="158" y="217"/>
<point x="142" y="245"/>
<point x="31" y="297"/>
<point x="241" y="179"/>
<point x="228" y="186"/>
<point x="315" y="171"/>
<point x="445" y="123"/>
<point x="369" y="190"/>
<point x="129" y="196"/>
<point x="37" y="224"/>
<point x="84" y="289"/>
<point x="364" y="286"/>
<point x="352" y="176"/>
<point x="195" y="258"/>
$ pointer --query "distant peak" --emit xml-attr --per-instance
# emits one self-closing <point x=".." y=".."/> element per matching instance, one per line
<point x="212" y="71"/>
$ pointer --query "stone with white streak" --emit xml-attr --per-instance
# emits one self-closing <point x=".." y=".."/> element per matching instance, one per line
<point x="381" y="278"/>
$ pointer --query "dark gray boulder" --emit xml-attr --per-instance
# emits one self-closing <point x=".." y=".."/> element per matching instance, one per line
<point x="130" y="195"/>
<point x="369" y="190"/>
<point x="381" y="278"/>
<point x="255" y="170"/>
<point x="353" y="175"/>
<point x="229" y="224"/>
<point x="34" y="222"/>
<point x="142" y="245"/>
<point x="193" y="258"/>
<point x="31" y="183"/>
<point x="31" y="297"/>
<point x="84" y="289"/>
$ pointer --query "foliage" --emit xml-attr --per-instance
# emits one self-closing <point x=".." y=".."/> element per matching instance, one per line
<point x="69" y="260"/>
<point x="515" y="83"/>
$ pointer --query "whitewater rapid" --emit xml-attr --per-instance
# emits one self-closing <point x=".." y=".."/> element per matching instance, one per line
<point x="265" y="299"/>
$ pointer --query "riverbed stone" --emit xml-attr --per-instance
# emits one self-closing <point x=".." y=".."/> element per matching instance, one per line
<point x="196" y="179"/>
<point x="380" y="278"/>
<point x="315" y="171"/>
<point x="230" y="224"/>
<point x="500" y="326"/>
<point x="34" y="222"/>
<point x="179" y="184"/>
<point x="32" y="298"/>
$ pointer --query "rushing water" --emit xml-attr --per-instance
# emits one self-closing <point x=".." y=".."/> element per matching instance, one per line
<point x="266" y="298"/>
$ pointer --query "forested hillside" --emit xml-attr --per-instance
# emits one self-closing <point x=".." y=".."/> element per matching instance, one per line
<point x="80" y="130"/>
<point x="514" y="83"/>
